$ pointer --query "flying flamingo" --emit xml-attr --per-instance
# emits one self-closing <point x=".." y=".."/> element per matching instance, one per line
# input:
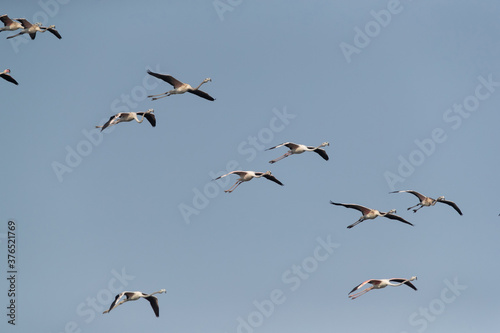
<point x="32" y="29"/>
<point x="129" y="116"/>
<point x="381" y="283"/>
<point x="5" y="75"/>
<point x="245" y="176"/>
<point x="28" y="28"/>
<point x="299" y="149"/>
<point x="180" y="87"/>
<point x="134" y="296"/>
<point x="427" y="201"/>
<point x="9" y="25"/>
<point x="369" y="214"/>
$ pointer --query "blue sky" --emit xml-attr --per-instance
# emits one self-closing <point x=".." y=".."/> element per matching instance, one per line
<point x="404" y="91"/>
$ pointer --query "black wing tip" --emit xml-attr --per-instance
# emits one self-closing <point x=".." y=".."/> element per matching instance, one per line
<point x="398" y="218"/>
<point x="408" y="223"/>
<point x="453" y="205"/>
<point x="404" y="221"/>
<point x="409" y="284"/>
<point x="202" y="94"/>
<point x="274" y="179"/>
<point x="151" y="118"/>
<point x="10" y="79"/>
<point x="322" y="153"/>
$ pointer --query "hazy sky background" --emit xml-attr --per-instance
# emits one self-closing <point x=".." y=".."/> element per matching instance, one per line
<point x="405" y="92"/>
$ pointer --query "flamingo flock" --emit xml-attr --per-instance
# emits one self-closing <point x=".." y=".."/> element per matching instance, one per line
<point x="26" y="28"/>
<point x="244" y="176"/>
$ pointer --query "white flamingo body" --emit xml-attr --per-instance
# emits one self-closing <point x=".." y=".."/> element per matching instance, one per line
<point x="180" y="87"/>
<point x="6" y="76"/>
<point x="246" y="176"/>
<point x="134" y="296"/>
<point x="373" y="214"/>
<point x="381" y="283"/>
<point x="428" y="201"/>
<point x="9" y="25"/>
<point x="299" y="149"/>
<point x="28" y="28"/>
<point x="370" y="214"/>
<point x="129" y="116"/>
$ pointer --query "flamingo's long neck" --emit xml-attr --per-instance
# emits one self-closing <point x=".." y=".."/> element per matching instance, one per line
<point x="200" y="84"/>
<point x="389" y="212"/>
<point x="261" y="175"/>
<point x="156" y="292"/>
<point x="320" y="146"/>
